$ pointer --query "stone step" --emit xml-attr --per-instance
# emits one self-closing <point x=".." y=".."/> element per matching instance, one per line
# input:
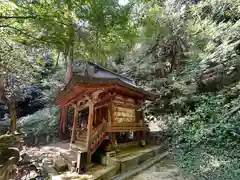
<point x="82" y="139"/>
<point x="140" y="168"/>
<point x="48" y="170"/>
<point x="83" y="134"/>
<point x="80" y="143"/>
<point x="69" y="156"/>
<point x="78" y="146"/>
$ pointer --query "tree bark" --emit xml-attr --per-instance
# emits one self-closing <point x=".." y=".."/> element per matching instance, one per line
<point x="69" y="63"/>
<point x="13" y="114"/>
<point x="69" y="68"/>
<point x="56" y="65"/>
<point x="69" y="52"/>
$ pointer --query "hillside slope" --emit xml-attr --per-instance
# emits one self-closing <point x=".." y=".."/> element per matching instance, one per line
<point x="190" y="55"/>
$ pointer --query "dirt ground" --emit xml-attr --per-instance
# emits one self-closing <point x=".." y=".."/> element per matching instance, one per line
<point x="164" y="170"/>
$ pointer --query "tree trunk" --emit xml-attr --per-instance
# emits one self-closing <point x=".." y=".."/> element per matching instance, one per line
<point x="68" y="55"/>
<point x="13" y="114"/>
<point x="58" y="57"/>
<point x="70" y="49"/>
<point x="69" y="71"/>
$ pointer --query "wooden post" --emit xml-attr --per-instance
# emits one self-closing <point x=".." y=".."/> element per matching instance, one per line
<point x="112" y="109"/>
<point x="113" y="139"/>
<point x="89" y="133"/>
<point x="109" y="118"/>
<point x="95" y="116"/>
<point x="63" y="121"/>
<point x="73" y="137"/>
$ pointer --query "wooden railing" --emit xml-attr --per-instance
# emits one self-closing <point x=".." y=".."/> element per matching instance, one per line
<point x="98" y="136"/>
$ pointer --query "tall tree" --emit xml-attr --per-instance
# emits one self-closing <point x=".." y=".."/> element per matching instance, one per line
<point x="15" y="68"/>
<point x="78" y="29"/>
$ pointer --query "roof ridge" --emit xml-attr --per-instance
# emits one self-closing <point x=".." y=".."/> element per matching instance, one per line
<point x="106" y="69"/>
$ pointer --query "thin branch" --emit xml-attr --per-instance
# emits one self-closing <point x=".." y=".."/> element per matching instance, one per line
<point x="32" y="17"/>
<point x="233" y="111"/>
<point x="19" y="30"/>
<point x="22" y="31"/>
<point x="18" y="17"/>
<point x="10" y="47"/>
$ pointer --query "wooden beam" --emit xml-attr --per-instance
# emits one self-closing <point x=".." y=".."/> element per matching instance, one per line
<point x="103" y="100"/>
<point x="126" y="129"/>
<point x="89" y="133"/>
<point x="73" y="137"/>
<point x="126" y="91"/>
<point x="124" y="105"/>
<point x="100" y="106"/>
<point x="84" y="106"/>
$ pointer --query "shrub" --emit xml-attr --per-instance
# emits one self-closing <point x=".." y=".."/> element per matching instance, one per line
<point x="44" y="121"/>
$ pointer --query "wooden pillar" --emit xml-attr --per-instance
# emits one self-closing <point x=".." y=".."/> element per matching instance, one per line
<point x="89" y="133"/>
<point x="95" y="116"/>
<point x="113" y="139"/>
<point x="109" y="116"/>
<point x="63" y="121"/>
<point x="138" y="135"/>
<point x="73" y="137"/>
<point x="111" y="120"/>
<point x="112" y="109"/>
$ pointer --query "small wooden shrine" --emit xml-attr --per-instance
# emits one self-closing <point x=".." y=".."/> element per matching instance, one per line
<point x="105" y="103"/>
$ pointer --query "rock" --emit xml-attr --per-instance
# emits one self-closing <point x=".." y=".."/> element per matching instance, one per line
<point x="218" y="75"/>
<point x="9" y="157"/>
<point x="25" y="158"/>
<point x="60" y="164"/>
<point x="111" y="153"/>
<point x="47" y="161"/>
<point x="6" y="168"/>
<point x="142" y="143"/>
<point x="49" y="170"/>
<point x="7" y="140"/>
<point x="74" y="163"/>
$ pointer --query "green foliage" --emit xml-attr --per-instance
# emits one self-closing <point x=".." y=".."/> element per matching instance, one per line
<point x="15" y="66"/>
<point x="81" y="29"/>
<point x="161" y="45"/>
<point x="205" y="137"/>
<point x="45" y="121"/>
<point x="218" y="11"/>
<point x="205" y="141"/>
<point x="203" y="126"/>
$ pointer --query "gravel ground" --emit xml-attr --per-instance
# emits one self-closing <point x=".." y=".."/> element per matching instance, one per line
<point x="164" y="170"/>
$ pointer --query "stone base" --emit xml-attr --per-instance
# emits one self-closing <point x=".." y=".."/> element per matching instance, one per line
<point x="60" y="165"/>
<point x="49" y="170"/>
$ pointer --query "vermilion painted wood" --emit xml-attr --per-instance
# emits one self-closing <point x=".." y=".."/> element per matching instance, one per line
<point x="63" y="120"/>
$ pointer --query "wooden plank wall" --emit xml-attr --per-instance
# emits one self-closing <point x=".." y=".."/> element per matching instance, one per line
<point x="124" y="109"/>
